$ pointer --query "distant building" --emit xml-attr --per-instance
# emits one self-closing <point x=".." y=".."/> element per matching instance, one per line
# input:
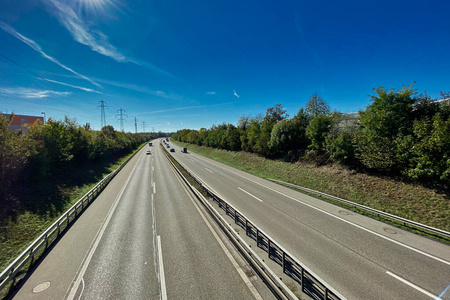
<point x="19" y="121"/>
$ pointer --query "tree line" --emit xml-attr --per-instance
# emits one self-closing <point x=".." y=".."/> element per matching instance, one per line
<point x="401" y="132"/>
<point x="42" y="159"/>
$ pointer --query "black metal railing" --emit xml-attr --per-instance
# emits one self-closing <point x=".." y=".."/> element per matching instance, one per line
<point x="311" y="284"/>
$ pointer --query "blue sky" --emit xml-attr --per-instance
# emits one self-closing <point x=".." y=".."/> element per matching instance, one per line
<point x="191" y="64"/>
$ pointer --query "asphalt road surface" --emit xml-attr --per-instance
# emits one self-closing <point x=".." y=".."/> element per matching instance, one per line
<point x="360" y="257"/>
<point x="143" y="238"/>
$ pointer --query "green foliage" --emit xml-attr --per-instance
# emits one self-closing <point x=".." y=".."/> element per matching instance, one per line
<point x="339" y="143"/>
<point x="15" y="151"/>
<point x="289" y="134"/>
<point x="317" y="131"/>
<point x="51" y="153"/>
<point x="400" y="132"/>
<point x="430" y="152"/>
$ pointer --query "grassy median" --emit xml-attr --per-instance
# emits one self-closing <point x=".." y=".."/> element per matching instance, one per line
<point x="408" y="200"/>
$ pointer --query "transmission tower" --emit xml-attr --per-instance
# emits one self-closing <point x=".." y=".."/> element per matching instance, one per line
<point x="143" y="126"/>
<point x="121" y="115"/>
<point x="135" y="125"/>
<point x="102" y="106"/>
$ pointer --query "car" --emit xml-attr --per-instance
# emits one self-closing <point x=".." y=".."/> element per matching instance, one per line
<point x="184" y="150"/>
<point x="172" y="150"/>
<point x="168" y="146"/>
<point x="149" y="152"/>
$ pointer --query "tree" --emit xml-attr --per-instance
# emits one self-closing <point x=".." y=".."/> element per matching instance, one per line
<point x="242" y="126"/>
<point x="290" y="134"/>
<point x="253" y="133"/>
<point x="275" y="114"/>
<point x="316" y="106"/>
<point x="389" y="118"/>
<point x="317" y="131"/>
<point x="339" y="141"/>
<point x="233" y="138"/>
<point x="15" y="151"/>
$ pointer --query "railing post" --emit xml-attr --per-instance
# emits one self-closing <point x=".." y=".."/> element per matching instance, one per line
<point x="246" y="227"/>
<point x="326" y="293"/>
<point x="284" y="263"/>
<point x="303" y="281"/>
<point x="268" y="247"/>
<point x="257" y="237"/>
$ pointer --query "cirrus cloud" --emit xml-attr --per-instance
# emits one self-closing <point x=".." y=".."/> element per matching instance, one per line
<point x="30" y="92"/>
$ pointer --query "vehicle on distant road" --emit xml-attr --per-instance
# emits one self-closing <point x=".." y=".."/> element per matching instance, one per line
<point x="184" y="150"/>
<point x="150" y="144"/>
<point x="168" y="146"/>
<point x="172" y="150"/>
<point x="149" y="152"/>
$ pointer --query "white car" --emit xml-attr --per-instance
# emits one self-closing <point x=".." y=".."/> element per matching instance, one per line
<point x="148" y="152"/>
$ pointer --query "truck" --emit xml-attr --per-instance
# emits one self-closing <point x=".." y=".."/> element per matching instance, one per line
<point x="184" y="150"/>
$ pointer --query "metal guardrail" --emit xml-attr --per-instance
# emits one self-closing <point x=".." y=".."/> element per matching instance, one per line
<point x="372" y="210"/>
<point x="311" y="284"/>
<point x="39" y="245"/>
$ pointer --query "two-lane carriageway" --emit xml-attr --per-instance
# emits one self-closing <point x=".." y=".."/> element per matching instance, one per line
<point x="358" y="256"/>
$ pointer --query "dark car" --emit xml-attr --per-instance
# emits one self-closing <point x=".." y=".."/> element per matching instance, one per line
<point x="172" y="150"/>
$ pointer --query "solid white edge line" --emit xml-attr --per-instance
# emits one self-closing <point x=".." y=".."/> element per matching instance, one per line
<point x="250" y="194"/>
<point x="82" y="289"/>
<point x="412" y="285"/>
<point x="86" y="262"/>
<point x="209" y="170"/>
<point x="346" y="221"/>
<point x="162" y="278"/>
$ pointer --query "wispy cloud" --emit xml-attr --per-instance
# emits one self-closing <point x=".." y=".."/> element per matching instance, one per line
<point x="30" y="93"/>
<point x="140" y="89"/>
<point x="211" y="93"/>
<point x="183" y="108"/>
<point x="234" y="93"/>
<point x="73" y="86"/>
<point x="82" y="34"/>
<point x="35" y="46"/>
<point x="95" y="39"/>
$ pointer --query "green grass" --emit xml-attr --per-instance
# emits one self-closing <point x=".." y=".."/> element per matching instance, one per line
<point x="18" y="230"/>
<point x="408" y="200"/>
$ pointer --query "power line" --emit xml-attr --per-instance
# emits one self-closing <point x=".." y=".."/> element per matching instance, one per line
<point x="121" y="117"/>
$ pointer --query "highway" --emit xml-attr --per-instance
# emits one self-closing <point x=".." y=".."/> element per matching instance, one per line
<point x="144" y="237"/>
<point x="360" y="257"/>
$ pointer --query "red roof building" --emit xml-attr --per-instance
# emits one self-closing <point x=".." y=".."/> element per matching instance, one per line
<point x="19" y="121"/>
